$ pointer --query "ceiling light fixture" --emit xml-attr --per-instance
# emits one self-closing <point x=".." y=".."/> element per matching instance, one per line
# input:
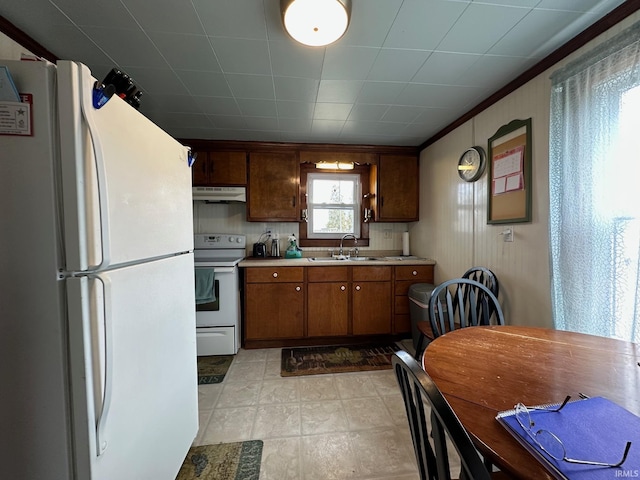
<point x="335" y="165"/>
<point x="315" y="22"/>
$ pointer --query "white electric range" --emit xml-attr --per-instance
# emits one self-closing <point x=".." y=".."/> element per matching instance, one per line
<point x="218" y="321"/>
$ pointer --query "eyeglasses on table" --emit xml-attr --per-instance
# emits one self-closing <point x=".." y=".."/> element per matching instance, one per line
<point x="550" y="443"/>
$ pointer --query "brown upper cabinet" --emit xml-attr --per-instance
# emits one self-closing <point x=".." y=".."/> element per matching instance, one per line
<point x="220" y="168"/>
<point x="273" y="187"/>
<point x="397" y="192"/>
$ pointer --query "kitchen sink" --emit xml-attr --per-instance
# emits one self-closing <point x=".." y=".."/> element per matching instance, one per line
<point x="340" y="259"/>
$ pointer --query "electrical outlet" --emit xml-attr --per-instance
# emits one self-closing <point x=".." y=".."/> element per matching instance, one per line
<point x="507" y="234"/>
<point x="387" y="233"/>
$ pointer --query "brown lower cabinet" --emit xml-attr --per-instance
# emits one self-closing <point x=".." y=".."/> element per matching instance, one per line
<point x="371" y="290"/>
<point x="286" y="305"/>
<point x="274" y="303"/>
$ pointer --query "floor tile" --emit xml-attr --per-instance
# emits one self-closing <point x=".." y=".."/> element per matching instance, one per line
<point x="317" y="387"/>
<point x="281" y="459"/>
<point x="323" y="417"/>
<point x="351" y="385"/>
<point x="384" y="452"/>
<point x="245" y="372"/>
<point x="328" y="457"/>
<point x="229" y="425"/>
<point x="364" y="413"/>
<point x="239" y="394"/>
<point x="281" y="390"/>
<point x="274" y="421"/>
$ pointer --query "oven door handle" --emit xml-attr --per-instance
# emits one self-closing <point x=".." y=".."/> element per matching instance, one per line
<point x="219" y="269"/>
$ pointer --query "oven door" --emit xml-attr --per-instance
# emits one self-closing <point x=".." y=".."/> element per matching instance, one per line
<point x="224" y="311"/>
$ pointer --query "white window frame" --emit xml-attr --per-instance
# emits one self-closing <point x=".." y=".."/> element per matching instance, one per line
<point x="355" y="207"/>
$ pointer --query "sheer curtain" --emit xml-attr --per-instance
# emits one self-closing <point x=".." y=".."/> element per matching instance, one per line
<point x="594" y="182"/>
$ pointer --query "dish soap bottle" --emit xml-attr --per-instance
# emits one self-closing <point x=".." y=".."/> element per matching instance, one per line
<point x="293" y="251"/>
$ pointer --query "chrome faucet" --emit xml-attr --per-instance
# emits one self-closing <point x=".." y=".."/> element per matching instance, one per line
<point x="355" y="242"/>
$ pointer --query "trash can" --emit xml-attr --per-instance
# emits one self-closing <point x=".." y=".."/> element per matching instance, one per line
<point x="419" y="294"/>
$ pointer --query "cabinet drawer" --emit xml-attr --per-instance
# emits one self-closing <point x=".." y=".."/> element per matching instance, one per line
<point x="417" y="273"/>
<point x="371" y="274"/>
<point x="274" y="274"/>
<point x="327" y="274"/>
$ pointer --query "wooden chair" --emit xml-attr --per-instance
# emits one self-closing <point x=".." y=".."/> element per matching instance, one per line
<point x="459" y="303"/>
<point x="433" y="463"/>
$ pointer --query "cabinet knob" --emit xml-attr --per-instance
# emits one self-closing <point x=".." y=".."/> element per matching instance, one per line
<point x="343" y="288"/>
<point x="414" y="273"/>
<point x="275" y="274"/>
<point x="298" y="289"/>
<point x="358" y="287"/>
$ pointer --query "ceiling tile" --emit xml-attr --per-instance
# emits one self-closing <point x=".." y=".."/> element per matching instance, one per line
<point x="595" y="6"/>
<point x="257" y="108"/>
<point x="110" y="13"/>
<point x="402" y="114"/>
<point x="440" y="96"/>
<point x="327" y="127"/>
<point x="295" y="124"/>
<point x="186" y="52"/>
<point x="67" y="38"/>
<point x="262" y="123"/>
<point x="176" y="16"/>
<point x="446" y="68"/>
<point x="380" y="92"/>
<point x="228" y="121"/>
<point x="423" y="23"/>
<point x="526" y="39"/>
<point x="232" y="18"/>
<point x="218" y="105"/>
<point x="345" y="91"/>
<point x="251" y="86"/>
<point x="332" y="111"/>
<point x="367" y="113"/>
<point x="496" y="21"/>
<point x="290" y="59"/>
<point x="238" y="55"/>
<point x="294" y="110"/>
<point x="298" y="89"/>
<point x="128" y="48"/>
<point x="370" y="22"/>
<point x="348" y="63"/>
<point x="397" y="65"/>
<point x="205" y="84"/>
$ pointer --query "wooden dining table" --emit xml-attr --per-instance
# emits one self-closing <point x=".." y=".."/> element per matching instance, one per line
<point x="484" y="370"/>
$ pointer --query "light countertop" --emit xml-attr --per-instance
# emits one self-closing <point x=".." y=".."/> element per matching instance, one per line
<point x="325" y="261"/>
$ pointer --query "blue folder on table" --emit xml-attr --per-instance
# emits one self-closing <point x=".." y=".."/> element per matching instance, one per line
<point x="594" y="429"/>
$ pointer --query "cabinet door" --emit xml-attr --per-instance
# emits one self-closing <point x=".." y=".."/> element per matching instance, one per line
<point x="274" y="310"/>
<point x="273" y="187"/>
<point x="398" y="188"/>
<point x="228" y="168"/>
<point x="219" y="169"/>
<point x="200" y="170"/>
<point x="371" y="308"/>
<point x="327" y="309"/>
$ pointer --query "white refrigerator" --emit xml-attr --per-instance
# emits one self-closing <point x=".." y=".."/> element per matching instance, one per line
<point x="98" y="373"/>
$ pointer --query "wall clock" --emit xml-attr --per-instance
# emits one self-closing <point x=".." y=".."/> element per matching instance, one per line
<point x="472" y="164"/>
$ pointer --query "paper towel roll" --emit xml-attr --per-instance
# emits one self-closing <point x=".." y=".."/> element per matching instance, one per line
<point x="405" y="243"/>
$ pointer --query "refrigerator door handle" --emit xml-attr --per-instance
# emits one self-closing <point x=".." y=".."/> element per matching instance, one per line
<point x="87" y="82"/>
<point x="101" y="416"/>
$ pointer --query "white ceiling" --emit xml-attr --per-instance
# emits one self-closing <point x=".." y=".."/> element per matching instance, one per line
<point x="226" y="70"/>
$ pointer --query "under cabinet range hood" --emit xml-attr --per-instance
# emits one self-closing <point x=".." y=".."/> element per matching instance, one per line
<point x="220" y="194"/>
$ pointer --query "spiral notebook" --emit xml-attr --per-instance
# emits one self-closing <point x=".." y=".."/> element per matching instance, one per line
<point x="594" y="429"/>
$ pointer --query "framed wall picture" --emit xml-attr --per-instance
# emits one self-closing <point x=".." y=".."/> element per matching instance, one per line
<point x="509" y="188"/>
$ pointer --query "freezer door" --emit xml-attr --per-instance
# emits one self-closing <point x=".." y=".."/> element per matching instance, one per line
<point x="133" y="370"/>
<point x="126" y="183"/>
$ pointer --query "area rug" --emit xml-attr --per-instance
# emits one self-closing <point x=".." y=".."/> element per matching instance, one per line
<point x="336" y="359"/>
<point x="212" y="369"/>
<point x="224" y="461"/>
